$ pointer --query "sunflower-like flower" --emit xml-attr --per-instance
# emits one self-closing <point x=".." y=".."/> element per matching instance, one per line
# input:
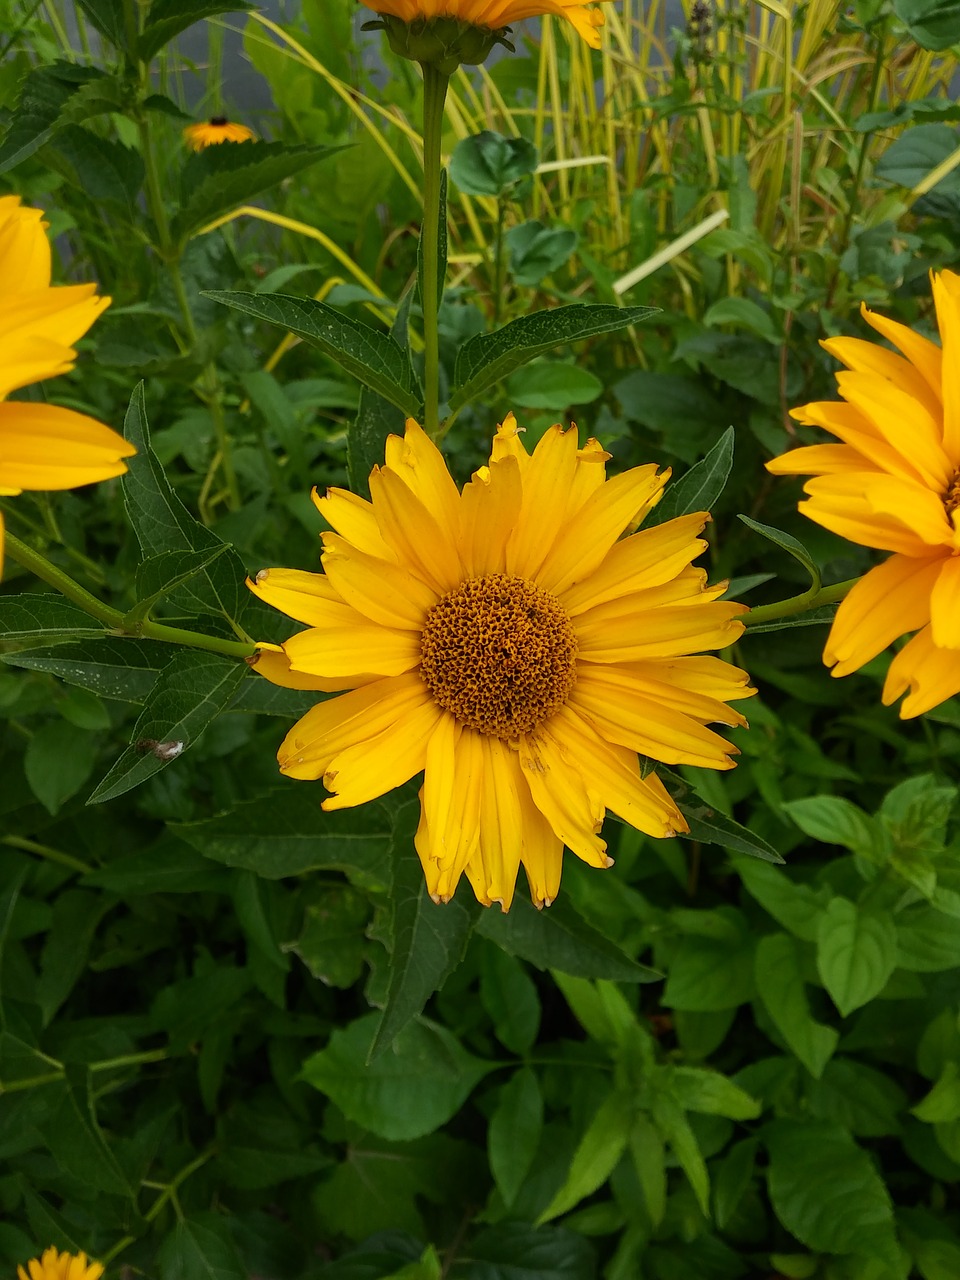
<point x="509" y="643"/>
<point x="894" y="484"/>
<point x="218" y="129"/>
<point x="43" y="446"/>
<point x="52" y="1265"/>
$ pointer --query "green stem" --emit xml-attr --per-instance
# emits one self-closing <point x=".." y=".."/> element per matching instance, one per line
<point x="434" y="96"/>
<point x="45" y="851"/>
<point x="498" y="263"/>
<point x="169" y="1192"/>
<point x="798" y="604"/>
<point x="113" y="619"/>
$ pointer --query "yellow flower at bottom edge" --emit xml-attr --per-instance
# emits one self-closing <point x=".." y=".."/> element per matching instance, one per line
<point x="52" y="1265"/>
<point x="494" y="15"/>
<point x="211" y="133"/>
<point x="507" y="641"/>
<point x="894" y="484"/>
<point x="44" y="446"/>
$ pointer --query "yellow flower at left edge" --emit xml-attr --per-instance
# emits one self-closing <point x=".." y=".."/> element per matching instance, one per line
<point x="52" y="1265"/>
<point x="44" y="446"/>
<point x="510" y="643"/>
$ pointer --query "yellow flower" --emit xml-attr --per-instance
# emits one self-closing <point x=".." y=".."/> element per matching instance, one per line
<point x="43" y="446"/>
<point x="507" y="642"/>
<point x="219" y="129"/>
<point x="894" y="484"/>
<point x="494" y="15"/>
<point x="60" y="1266"/>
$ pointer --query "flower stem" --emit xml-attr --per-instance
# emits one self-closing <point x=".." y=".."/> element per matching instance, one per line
<point x="798" y="604"/>
<point x="434" y="95"/>
<point x="113" y="619"/>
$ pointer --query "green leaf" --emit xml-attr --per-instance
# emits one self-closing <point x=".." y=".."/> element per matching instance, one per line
<point x="260" y="697"/>
<point x="794" y="906"/>
<point x="934" y="24"/>
<point x="915" y="154"/>
<point x="510" y="997"/>
<point x="710" y="826"/>
<point x="700" y="487"/>
<point x="166" y="866"/>
<point x="158" y="575"/>
<point x="58" y="761"/>
<point x="856" y="953"/>
<point x="597" y="1155"/>
<point x="536" y="250"/>
<point x="200" y="1248"/>
<point x="942" y="1104"/>
<point x="376" y="417"/>
<point x="487" y="163"/>
<point x="190" y="692"/>
<point x="488" y="358"/>
<point x="648" y="1153"/>
<point x="513" y="1135"/>
<point x="162" y="523"/>
<point x="374" y="358"/>
<point x="106" y="171"/>
<point x="107" y="16"/>
<point x="51" y="96"/>
<point x="167" y="18"/>
<point x="711" y="1093"/>
<point x="742" y="313"/>
<point x="39" y="617"/>
<point x="826" y="1191"/>
<point x="732" y="1179"/>
<point x="927" y="940"/>
<point x="333" y="941"/>
<point x="834" y="820"/>
<point x="410" y="1091"/>
<point x="857" y="1097"/>
<point x="820" y="617"/>
<point x="428" y="939"/>
<point x="675" y="1128"/>
<point x="779" y="979"/>
<point x="76" y="915"/>
<point x="517" y="1251"/>
<point x="553" y="386"/>
<point x="286" y="833"/>
<point x="559" y="938"/>
<point x="789" y="544"/>
<point x="124" y="669"/>
<point x="706" y="974"/>
<point x="217" y="179"/>
<point x="75" y="1140"/>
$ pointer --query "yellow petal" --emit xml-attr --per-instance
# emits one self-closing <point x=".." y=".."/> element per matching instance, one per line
<point x="645" y="559"/>
<point x="697" y="677"/>
<point x="945" y="606"/>
<point x="557" y="789"/>
<point x="449" y="833"/>
<point x="893" y="598"/>
<point x="905" y="423"/>
<point x="354" y="519"/>
<point x="507" y="444"/>
<point x="586" y="539"/>
<point x="273" y="664"/>
<point x="501" y="822"/>
<point x="923" y="354"/>
<point x="43" y="446"/>
<point x="589" y="476"/>
<point x="413" y="534"/>
<point x="946" y="296"/>
<point x="379" y="590"/>
<point x="62" y="314"/>
<point x="28" y="357"/>
<point x="331" y="726"/>
<point x="24" y="248"/>
<point x="662" y="633"/>
<point x="931" y="674"/>
<point x="376" y="765"/>
<point x="885" y="367"/>
<point x="839" y="503"/>
<point x="855" y="429"/>
<point x="355" y="650"/>
<point x="489" y="507"/>
<point x="817" y="460"/>
<point x="420" y="465"/>
<point x="541" y="852"/>
<point x="546" y="491"/>
<point x="307" y="597"/>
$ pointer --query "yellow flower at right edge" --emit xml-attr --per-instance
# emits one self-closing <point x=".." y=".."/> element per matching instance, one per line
<point x="44" y="446"/>
<point x="52" y="1265"/>
<point x="512" y="645"/>
<point x="894" y="484"/>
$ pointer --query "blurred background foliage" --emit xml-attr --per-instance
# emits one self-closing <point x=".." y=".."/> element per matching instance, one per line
<point x="191" y="972"/>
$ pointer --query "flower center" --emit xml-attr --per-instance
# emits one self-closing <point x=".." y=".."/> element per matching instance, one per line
<point x="951" y="499"/>
<point x="499" y="654"/>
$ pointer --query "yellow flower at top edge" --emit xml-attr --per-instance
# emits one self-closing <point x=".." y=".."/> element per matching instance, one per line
<point x="52" y="1265"/>
<point x="508" y="642"/>
<point x="43" y="446"/>
<point x="211" y="133"/>
<point x="894" y="484"/>
<point x="494" y="15"/>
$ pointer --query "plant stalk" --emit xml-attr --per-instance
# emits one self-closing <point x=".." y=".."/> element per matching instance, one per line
<point x="798" y="604"/>
<point x="434" y="95"/>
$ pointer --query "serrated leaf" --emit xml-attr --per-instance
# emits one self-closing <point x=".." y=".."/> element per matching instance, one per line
<point x="856" y="953"/>
<point x="376" y="417"/>
<point x="108" y="17"/>
<point x="779" y="979"/>
<point x="286" y="833"/>
<point x="559" y="938"/>
<point x="125" y="669"/>
<point x="190" y="692"/>
<point x="597" y="1155"/>
<point x="826" y="1191"/>
<point x="701" y="486"/>
<point x="51" y="95"/>
<point x="162" y="523"/>
<point x="428" y="939"/>
<point x="105" y="170"/>
<point x="167" y="18"/>
<point x="217" y="179"/>
<point x="40" y="617"/>
<point x="75" y="1140"/>
<point x="710" y="826"/>
<point x="487" y="358"/>
<point x="413" y="1089"/>
<point x="158" y="575"/>
<point x="787" y="543"/>
<point x="373" y="358"/>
